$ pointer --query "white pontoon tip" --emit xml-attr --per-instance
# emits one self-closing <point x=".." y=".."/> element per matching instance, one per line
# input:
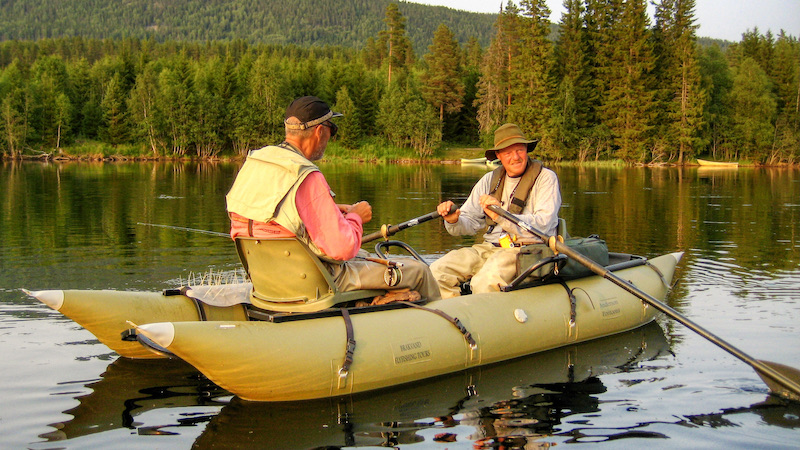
<point x="677" y="256"/>
<point x="53" y="298"/>
<point x="161" y="333"/>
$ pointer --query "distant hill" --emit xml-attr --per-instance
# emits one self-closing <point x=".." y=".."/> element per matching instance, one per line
<point x="346" y="23"/>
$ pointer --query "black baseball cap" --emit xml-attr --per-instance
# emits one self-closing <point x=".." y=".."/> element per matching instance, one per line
<point x="310" y="110"/>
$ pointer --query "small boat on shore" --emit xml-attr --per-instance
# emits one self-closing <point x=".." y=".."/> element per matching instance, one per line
<point x="481" y="160"/>
<point x="708" y="163"/>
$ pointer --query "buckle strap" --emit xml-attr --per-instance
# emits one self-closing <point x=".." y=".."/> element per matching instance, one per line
<point x="454" y="320"/>
<point x="350" y="349"/>
<point x="572" y="303"/>
<point x="660" y="275"/>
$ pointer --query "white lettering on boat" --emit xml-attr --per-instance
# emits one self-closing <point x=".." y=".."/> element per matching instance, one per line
<point x="413" y="351"/>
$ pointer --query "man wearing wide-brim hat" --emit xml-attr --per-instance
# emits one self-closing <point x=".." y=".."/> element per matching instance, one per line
<point x="521" y="186"/>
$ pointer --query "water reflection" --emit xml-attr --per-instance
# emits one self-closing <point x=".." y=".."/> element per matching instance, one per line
<point x="525" y="398"/>
<point x="75" y="226"/>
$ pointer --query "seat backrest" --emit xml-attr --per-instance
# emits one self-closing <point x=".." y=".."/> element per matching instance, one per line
<point x="562" y="228"/>
<point x="287" y="276"/>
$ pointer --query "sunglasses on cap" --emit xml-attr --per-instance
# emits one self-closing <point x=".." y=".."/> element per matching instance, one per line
<point x="332" y="126"/>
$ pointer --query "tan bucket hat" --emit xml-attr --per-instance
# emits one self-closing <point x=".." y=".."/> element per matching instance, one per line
<point x="508" y="134"/>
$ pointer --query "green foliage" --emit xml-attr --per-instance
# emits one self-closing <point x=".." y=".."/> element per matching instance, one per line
<point x="347" y="23"/>
<point x="201" y="79"/>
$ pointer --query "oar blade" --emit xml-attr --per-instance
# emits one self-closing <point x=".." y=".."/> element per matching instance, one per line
<point x="779" y="388"/>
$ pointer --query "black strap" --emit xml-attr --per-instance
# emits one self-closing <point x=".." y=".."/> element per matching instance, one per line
<point x="572" y="302"/>
<point x="519" y="198"/>
<point x="454" y="320"/>
<point x="350" y="348"/>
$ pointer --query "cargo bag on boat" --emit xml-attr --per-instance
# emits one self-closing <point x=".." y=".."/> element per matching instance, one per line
<point x="592" y="247"/>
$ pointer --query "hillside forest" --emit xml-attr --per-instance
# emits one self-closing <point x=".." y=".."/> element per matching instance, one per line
<point x="612" y="84"/>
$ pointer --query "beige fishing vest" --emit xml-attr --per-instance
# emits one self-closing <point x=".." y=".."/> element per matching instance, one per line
<point x="266" y="186"/>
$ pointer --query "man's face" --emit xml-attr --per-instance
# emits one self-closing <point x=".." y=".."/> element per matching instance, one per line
<point x="514" y="158"/>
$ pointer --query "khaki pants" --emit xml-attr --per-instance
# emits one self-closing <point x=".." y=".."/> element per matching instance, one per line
<point x="360" y="274"/>
<point x="488" y="267"/>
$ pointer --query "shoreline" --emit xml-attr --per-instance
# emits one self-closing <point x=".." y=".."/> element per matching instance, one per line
<point x="443" y="160"/>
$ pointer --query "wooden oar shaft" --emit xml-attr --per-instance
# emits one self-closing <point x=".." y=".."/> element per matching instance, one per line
<point x="664" y="308"/>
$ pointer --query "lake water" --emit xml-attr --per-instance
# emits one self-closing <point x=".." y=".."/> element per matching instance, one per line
<point x="91" y="226"/>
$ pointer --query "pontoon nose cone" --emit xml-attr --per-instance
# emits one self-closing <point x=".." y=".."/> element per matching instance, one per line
<point x="677" y="256"/>
<point x="161" y="333"/>
<point x="53" y="299"/>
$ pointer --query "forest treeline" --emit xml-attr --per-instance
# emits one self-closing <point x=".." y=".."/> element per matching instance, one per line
<point x="346" y="23"/>
<point x="613" y="84"/>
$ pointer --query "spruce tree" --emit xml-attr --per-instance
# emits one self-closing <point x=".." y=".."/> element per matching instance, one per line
<point x="570" y="118"/>
<point x="753" y="111"/>
<point x="494" y="88"/>
<point x="626" y="110"/>
<point x="529" y="73"/>
<point x="442" y="83"/>
<point x="678" y="82"/>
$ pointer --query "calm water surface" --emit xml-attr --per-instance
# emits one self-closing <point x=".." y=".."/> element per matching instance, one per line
<point x="82" y="226"/>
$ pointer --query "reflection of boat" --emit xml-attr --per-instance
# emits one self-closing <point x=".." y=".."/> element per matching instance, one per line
<point x="708" y="163"/>
<point x="305" y="359"/>
<point x="129" y="388"/>
<point x="481" y="160"/>
<point x="494" y="164"/>
<point x="565" y="381"/>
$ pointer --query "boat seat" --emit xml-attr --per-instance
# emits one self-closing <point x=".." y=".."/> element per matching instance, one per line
<point x="562" y="228"/>
<point x="288" y="277"/>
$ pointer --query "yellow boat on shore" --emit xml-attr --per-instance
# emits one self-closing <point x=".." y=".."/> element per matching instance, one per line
<point x="707" y="163"/>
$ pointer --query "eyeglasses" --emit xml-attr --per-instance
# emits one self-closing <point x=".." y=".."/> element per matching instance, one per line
<point x="332" y="126"/>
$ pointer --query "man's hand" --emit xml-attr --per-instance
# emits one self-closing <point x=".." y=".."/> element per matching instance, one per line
<point x="363" y="209"/>
<point x="448" y="211"/>
<point x="487" y="200"/>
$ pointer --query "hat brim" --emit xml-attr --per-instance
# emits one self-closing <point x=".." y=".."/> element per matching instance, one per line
<point x="491" y="154"/>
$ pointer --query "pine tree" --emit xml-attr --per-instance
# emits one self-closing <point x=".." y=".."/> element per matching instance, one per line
<point x="115" y="112"/>
<point x="15" y="104"/>
<point x="529" y="73"/>
<point x="494" y="88"/>
<point x="754" y="110"/>
<point x="570" y="119"/>
<point x="717" y="82"/>
<point x="442" y="83"/>
<point x="786" y="79"/>
<point x="396" y="39"/>
<point x="142" y="109"/>
<point x="626" y="109"/>
<point x="349" y="130"/>
<point x="679" y="75"/>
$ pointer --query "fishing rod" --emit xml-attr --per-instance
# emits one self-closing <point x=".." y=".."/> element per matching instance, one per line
<point x="193" y="230"/>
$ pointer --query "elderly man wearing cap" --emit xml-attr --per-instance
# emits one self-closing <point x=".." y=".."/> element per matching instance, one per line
<point x="279" y="192"/>
<point x="521" y="186"/>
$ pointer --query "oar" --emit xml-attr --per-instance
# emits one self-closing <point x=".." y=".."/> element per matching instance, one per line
<point x="781" y="380"/>
<point x="389" y="230"/>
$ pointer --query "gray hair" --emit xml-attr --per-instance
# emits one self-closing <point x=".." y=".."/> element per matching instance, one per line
<point x="290" y="125"/>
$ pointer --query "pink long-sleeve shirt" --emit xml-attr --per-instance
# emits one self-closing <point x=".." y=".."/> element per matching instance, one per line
<point x="337" y="234"/>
